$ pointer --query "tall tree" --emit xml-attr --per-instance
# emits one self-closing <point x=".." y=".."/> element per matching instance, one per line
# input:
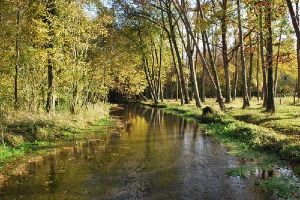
<point x="295" y="22"/>
<point x="246" y="102"/>
<point x="48" y="19"/>
<point x="17" y="42"/>
<point x="270" y="102"/>
<point x="262" y="56"/>
<point x="225" y="50"/>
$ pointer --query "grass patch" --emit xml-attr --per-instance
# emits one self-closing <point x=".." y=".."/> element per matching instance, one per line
<point x="284" y="187"/>
<point x="241" y="171"/>
<point x="22" y="133"/>
<point x="7" y="152"/>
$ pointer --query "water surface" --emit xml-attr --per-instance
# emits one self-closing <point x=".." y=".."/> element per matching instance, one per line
<point x="153" y="155"/>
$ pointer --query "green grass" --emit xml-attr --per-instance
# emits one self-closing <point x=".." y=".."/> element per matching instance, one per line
<point x="277" y="133"/>
<point x="286" y="119"/>
<point x="241" y="171"/>
<point x="284" y="187"/>
<point x="22" y="133"/>
<point x="7" y="152"/>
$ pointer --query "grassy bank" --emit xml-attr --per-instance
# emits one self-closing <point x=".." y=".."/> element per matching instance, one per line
<point x="260" y="145"/>
<point x="278" y="133"/>
<point x="22" y="132"/>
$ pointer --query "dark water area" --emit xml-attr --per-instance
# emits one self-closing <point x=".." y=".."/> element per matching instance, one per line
<point x="153" y="155"/>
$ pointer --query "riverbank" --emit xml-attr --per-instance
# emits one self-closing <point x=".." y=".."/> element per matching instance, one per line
<point x="22" y="133"/>
<point x="260" y="147"/>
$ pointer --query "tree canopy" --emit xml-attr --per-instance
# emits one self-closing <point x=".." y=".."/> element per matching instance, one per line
<point x="56" y="53"/>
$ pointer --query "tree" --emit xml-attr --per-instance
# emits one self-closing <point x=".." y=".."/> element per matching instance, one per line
<point x="270" y="107"/>
<point x="48" y="20"/>
<point x="295" y="22"/>
<point x="246" y="102"/>
<point x="225" y="50"/>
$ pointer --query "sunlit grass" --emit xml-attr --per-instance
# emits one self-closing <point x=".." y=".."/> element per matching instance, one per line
<point x="286" y="119"/>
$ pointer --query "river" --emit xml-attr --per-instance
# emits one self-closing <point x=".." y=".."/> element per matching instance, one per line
<point x="153" y="155"/>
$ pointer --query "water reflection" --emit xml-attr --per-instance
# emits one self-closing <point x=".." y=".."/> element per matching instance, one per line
<point x="152" y="155"/>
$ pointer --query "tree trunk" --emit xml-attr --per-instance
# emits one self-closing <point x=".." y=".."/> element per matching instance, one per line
<point x="257" y="72"/>
<point x="74" y="98"/>
<point x="180" y="66"/>
<point x="188" y="47"/>
<point x="225" y="52"/>
<point x="270" y="103"/>
<point x="17" y="55"/>
<point x="203" y="77"/>
<point x="250" y="68"/>
<point x="215" y="75"/>
<point x="262" y="56"/>
<point x="236" y="75"/>
<point x="277" y="61"/>
<point x="50" y="6"/>
<point x="295" y="23"/>
<point x="177" y="72"/>
<point x="246" y="102"/>
<point x="193" y="72"/>
<point x="148" y="74"/>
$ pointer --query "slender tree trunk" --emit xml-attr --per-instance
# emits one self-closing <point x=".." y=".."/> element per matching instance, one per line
<point x="203" y="77"/>
<point x="225" y="52"/>
<point x="193" y="72"/>
<point x="177" y="88"/>
<point x="298" y="61"/>
<point x="188" y="47"/>
<point x="250" y="68"/>
<point x="270" y="103"/>
<point x="177" y="72"/>
<point x="74" y="98"/>
<point x="170" y="31"/>
<point x="262" y="57"/>
<point x="17" y="55"/>
<point x="297" y="89"/>
<point x="180" y="65"/>
<point x="246" y="102"/>
<point x="295" y="23"/>
<point x="161" y="93"/>
<point x="214" y="78"/>
<point x="150" y="83"/>
<point x="257" y="71"/>
<point x="149" y="75"/>
<point x="50" y="95"/>
<point x="215" y="75"/>
<point x="236" y="75"/>
<point x="277" y="61"/>
<point x="50" y="6"/>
